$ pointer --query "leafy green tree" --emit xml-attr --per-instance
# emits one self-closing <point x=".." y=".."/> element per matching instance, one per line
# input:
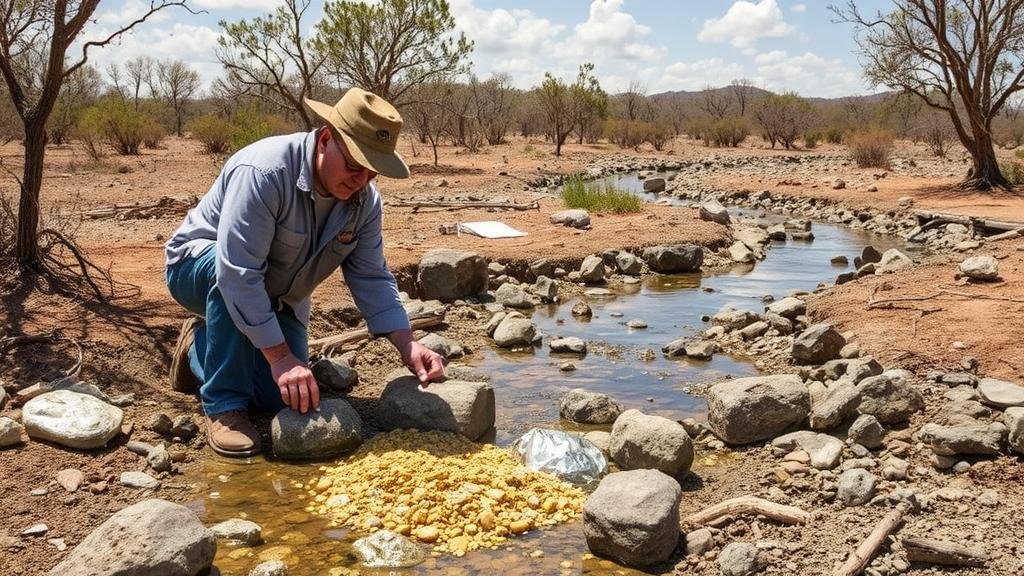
<point x="390" y="46"/>
<point x="566" y="104"/>
<point x="592" y="107"/>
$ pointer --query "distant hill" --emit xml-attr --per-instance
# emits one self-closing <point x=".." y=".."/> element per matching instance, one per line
<point x="757" y="93"/>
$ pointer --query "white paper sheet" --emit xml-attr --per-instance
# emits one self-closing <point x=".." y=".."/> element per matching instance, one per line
<point x="490" y="229"/>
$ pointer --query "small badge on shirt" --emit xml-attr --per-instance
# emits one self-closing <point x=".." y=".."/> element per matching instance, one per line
<point x="346" y="237"/>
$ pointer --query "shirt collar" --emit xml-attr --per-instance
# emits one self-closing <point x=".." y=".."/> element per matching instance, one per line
<point x="305" y="179"/>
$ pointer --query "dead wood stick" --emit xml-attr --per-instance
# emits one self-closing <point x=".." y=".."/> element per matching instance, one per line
<point x="750" y="505"/>
<point x="927" y="220"/>
<point x="458" y="205"/>
<point x="887" y="301"/>
<point x="861" y="557"/>
<point x="1005" y="236"/>
<point x="941" y="552"/>
<point x="359" y="334"/>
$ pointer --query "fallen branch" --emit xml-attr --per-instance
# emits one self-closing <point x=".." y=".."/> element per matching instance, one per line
<point x="461" y="204"/>
<point x="54" y="337"/>
<point x="928" y="220"/>
<point x="165" y="206"/>
<point x="327" y="344"/>
<point x="887" y="301"/>
<point x="861" y="557"/>
<point x="941" y="552"/>
<point x="750" y="505"/>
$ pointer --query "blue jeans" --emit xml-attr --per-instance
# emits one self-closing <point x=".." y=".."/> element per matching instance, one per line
<point x="233" y="372"/>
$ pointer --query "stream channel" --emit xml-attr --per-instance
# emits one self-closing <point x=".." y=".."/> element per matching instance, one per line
<point x="527" y="386"/>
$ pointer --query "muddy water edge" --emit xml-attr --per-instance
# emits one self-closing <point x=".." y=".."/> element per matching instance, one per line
<point x="621" y="361"/>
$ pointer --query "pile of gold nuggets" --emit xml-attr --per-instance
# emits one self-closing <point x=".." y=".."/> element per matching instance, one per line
<point x="441" y="489"/>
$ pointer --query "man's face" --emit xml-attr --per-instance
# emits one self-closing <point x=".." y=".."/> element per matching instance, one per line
<point x="336" y="172"/>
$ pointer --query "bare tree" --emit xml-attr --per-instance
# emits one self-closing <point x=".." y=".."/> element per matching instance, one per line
<point x="632" y="100"/>
<point x="783" y="118"/>
<point x="495" y="101"/>
<point x="742" y="89"/>
<point x="139" y="71"/>
<point x="387" y="47"/>
<point x="177" y="85"/>
<point x="716" y="102"/>
<point x="118" y="83"/>
<point x="270" y="56"/>
<point x="34" y="39"/>
<point x="964" y="58"/>
<point x="429" y="112"/>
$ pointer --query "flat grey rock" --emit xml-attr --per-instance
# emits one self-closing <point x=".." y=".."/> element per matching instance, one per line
<point x="970" y="439"/>
<point x="386" y="549"/>
<point x="236" y="529"/>
<point x="512" y="296"/>
<point x="824" y="450"/>
<point x="985" y="268"/>
<point x="139" y="480"/>
<point x="745" y="410"/>
<point x="71" y="419"/>
<point x="1000" y="393"/>
<point x="448" y="275"/>
<point x="150" y="537"/>
<point x="856" y="487"/>
<point x="586" y="407"/>
<point x="740" y="559"/>
<point x="817" y="344"/>
<point x="514" y="332"/>
<point x="335" y="375"/>
<point x="573" y="218"/>
<point x="570" y="345"/>
<point x="335" y="430"/>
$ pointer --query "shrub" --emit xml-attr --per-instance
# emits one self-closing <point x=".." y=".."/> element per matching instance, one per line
<point x="596" y="197"/>
<point x="153" y="134"/>
<point x="1019" y="154"/>
<point x="698" y="128"/>
<point x="1013" y="171"/>
<point x="834" y="135"/>
<point x="250" y="126"/>
<point x="811" y="139"/>
<point x="115" y="123"/>
<point x="213" y="132"/>
<point x="872" y="148"/>
<point x="90" y="133"/>
<point x="625" y="133"/>
<point x="1007" y="133"/>
<point x="729" y="131"/>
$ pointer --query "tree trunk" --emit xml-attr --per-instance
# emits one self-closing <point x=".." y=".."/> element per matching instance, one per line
<point x="984" y="174"/>
<point x="27" y="247"/>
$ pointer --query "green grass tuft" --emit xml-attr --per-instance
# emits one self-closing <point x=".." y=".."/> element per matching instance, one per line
<point x="595" y="197"/>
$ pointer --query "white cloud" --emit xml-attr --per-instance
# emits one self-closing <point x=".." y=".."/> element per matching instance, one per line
<point x="501" y="31"/>
<point x="130" y="11"/>
<point x="745" y="22"/>
<point x="698" y="75"/>
<point x="608" y="31"/>
<point x="809" y="73"/>
<point x="799" y="8"/>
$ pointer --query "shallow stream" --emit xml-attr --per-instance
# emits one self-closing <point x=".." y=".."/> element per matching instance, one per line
<point x="527" y="388"/>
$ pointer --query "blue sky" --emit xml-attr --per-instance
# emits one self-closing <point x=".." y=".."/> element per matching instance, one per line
<point x="680" y="45"/>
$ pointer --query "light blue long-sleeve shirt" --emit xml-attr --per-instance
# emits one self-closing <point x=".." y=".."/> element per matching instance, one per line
<point x="259" y="216"/>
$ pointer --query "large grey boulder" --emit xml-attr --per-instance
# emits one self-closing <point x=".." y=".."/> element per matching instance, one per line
<point x="890" y="397"/>
<point x="740" y="559"/>
<point x="644" y="441"/>
<point x="627" y="263"/>
<point x="713" y="211"/>
<point x="592" y="270"/>
<point x="452" y="406"/>
<point x="386" y="549"/>
<point x="1014" y="420"/>
<point x="789" y="307"/>
<point x="672" y="259"/>
<point x="336" y="429"/>
<point x="1000" y="393"/>
<point x="513" y="296"/>
<point x="514" y="331"/>
<point x="656" y="184"/>
<point x="151" y="537"/>
<point x="818" y="344"/>
<point x="734" y="319"/>
<point x="448" y="275"/>
<point x="978" y="439"/>
<point x="71" y="419"/>
<point x="984" y="268"/>
<point x="335" y="375"/>
<point x="586" y="407"/>
<point x="824" y="450"/>
<point x="633" y="517"/>
<point x="573" y="218"/>
<point x="856" y="486"/>
<point x="747" y="410"/>
<point x="546" y="289"/>
<point x="569" y="345"/>
<point x="893" y="260"/>
<point x="837" y="405"/>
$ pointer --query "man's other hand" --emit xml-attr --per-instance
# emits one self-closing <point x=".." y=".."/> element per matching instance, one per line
<point x="426" y="364"/>
<point x="295" y="380"/>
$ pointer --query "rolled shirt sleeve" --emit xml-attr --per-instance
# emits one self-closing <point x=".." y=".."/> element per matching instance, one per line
<point x="366" y="272"/>
<point x="244" y="234"/>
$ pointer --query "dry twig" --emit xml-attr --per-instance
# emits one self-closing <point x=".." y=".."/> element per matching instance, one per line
<point x="750" y="505"/>
<point x="861" y="557"/>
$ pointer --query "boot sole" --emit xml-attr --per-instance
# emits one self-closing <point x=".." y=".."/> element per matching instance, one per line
<point x="234" y="453"/>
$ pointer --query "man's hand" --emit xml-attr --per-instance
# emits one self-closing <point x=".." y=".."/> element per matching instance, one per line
<point x="296" y="383"/>
<point x="426" y="364"/>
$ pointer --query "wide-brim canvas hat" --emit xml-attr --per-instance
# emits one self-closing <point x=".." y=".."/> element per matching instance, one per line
<point x="369" y="126"/>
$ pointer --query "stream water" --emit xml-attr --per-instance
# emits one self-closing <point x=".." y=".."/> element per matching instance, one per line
<point x="527" y="388"/>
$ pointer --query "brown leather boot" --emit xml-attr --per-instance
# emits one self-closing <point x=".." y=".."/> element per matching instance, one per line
<point x="232" y="434"/>
<point x="182" y="378"/>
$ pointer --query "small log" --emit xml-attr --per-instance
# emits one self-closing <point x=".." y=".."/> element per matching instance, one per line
<point x="459" y="205"/>
<point x="930" y="220"/>
<point x="941" y="552"/>
<point x="420" y="322"/>
<point x="1005" y="236"/>
<point x="861" y="557"/>
<point x="750" y="505"/>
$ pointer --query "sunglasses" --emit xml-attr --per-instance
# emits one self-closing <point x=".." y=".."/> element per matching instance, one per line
<point x="351" y="164"/>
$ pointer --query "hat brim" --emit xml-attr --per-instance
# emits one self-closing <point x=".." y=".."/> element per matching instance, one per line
<point x="388" y="164"/>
